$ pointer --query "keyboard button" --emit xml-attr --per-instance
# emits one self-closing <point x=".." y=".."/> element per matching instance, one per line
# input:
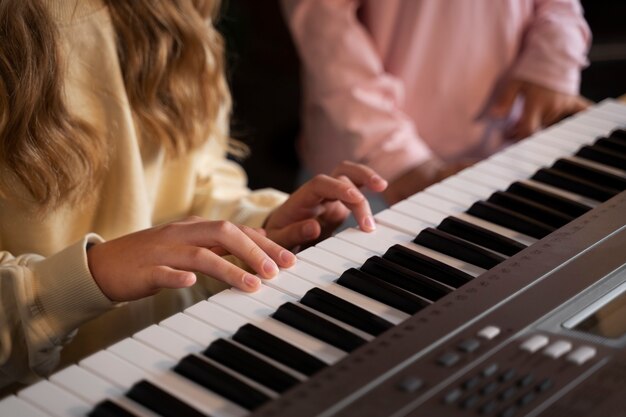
<point x="480" y="236"/>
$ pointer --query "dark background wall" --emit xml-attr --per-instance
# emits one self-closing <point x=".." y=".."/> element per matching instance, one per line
<point x="263" y="72"/>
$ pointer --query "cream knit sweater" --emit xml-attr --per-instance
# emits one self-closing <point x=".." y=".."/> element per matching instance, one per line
<point x="46" y="289"/>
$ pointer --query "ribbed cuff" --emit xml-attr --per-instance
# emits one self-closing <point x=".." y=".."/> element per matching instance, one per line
<point x="66" y="291"/>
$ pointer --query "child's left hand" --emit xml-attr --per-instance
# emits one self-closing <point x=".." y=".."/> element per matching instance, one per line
<point x="319" y="206"/>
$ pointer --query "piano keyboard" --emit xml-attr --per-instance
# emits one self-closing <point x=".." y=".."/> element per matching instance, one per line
<point x="236" y="353"/>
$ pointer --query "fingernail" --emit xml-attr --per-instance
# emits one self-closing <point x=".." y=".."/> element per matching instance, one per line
<point x="269" y="267"/>
<point x="287" y="257"/>
<point x="369" y="223"/>
<point x="251" y="280"/>
<point x="377" y="178"/>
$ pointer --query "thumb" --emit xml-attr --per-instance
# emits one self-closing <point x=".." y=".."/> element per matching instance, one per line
<point x="296" y="234"/>
<point x="504" y="102"/>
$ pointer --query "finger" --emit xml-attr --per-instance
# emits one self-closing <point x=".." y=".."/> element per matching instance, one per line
<point x="361" y="175"/>
<point x="324" y="188"/>
<point x="232" y="240"/>
<point x="166" y="277"/>
<point x="193" y="258"/>
<point x="334" y="215"/>
<point x="361" y="211"/>
<point x="530" y="121"/>
<point x="298" y="233"/>
<point x="280" y="255"/>
<point x="501" y="108"/>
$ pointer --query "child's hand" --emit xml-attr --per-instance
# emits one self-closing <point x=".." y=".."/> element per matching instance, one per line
<point x="140" y="264"/>
<point x="319" y="206"/>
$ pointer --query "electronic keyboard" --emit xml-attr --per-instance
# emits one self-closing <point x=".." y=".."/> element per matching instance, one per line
<point x="500" y="291"/>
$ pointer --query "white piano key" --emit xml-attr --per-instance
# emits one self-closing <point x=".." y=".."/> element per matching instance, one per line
<point x="266" y="295"/>
<point x="526" y="152"/>
<point x="613" y="108"/>
<point x="258" y="314"/>
<point x="346" y="250"/>
<point x="142" y="356"/>
<point x="479" y="191"/>
<point x="166" y="341"/>
<point x="387" y="237"/>
<point x="510" y="161"/>
<point x="192" y="328"/>
<point x="438" y="203"/>
<point x="332" y="262"/>
<point x="587" y="127"/>
<point x="158" y="365"/>
<point x="401" y="222"/>
<point x="196" y="396"/>
<point x="14" y="406"/>
<point x="600" y="126"/>
<point x="133" y="407"/>
<point x="596" y="165"/>
<point x="377" y="241"/>
<point x="563" y="193"/>
<point x="418" y="211"/>
<point x="326" y="280"/>
<point x="113" y="369"/>
<point x="85" y="385"/>
<point x="299" y="286"/>
<point x="271" y="297"/>
<point x="54" y="400"/>
<point x="544" y="149"/>
<point x="496" y="182"/>
<point x="501" y="230"/>
<point x="507" y="173"/>
<point x="217" y="316"/>
<point x="454" y="195"/>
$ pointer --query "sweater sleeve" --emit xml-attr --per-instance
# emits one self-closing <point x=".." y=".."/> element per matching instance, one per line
<point x="555" y="46"/>
<point x="353" y="108"/>
<point x="43" y="301"/>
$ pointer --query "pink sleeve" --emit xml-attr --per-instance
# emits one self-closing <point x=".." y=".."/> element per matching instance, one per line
<point x="353" y="108"/>
<point x="555" y="46"/>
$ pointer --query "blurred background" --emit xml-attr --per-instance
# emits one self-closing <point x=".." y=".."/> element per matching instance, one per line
<point x="263" y="73"/>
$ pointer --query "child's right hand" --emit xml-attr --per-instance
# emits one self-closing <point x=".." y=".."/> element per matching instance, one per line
<point x="140" y="264"/>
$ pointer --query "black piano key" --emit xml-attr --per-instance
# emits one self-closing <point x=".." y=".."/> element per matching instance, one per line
<point x="345" y="311"/>
<point x="619" y="134"/>
<point x="529" y="208"/>
<point x="594" y="175"/>
<point x="603" y="155"/>
<point x="250" y="365"/>
<point x="574" y="184"/>
<point x="273" y="347"/>
<point x="221" y="382"/>
<point x="426" y="265"/>
<point x="406" y="279"/>
<point x="613" y="144"/>
<point x="161" y="402"/>
<point x="108" y="408"/>
<point x="318" y="327"/>
<point x="509" y="218"/>
<point x="480" y="236"/>
<point x="382" y="291"/>
<point x="557" y="202"/>
<point x="461" y="249"/>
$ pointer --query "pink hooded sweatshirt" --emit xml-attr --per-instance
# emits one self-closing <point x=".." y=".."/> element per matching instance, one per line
<point x="390" y="83"/>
